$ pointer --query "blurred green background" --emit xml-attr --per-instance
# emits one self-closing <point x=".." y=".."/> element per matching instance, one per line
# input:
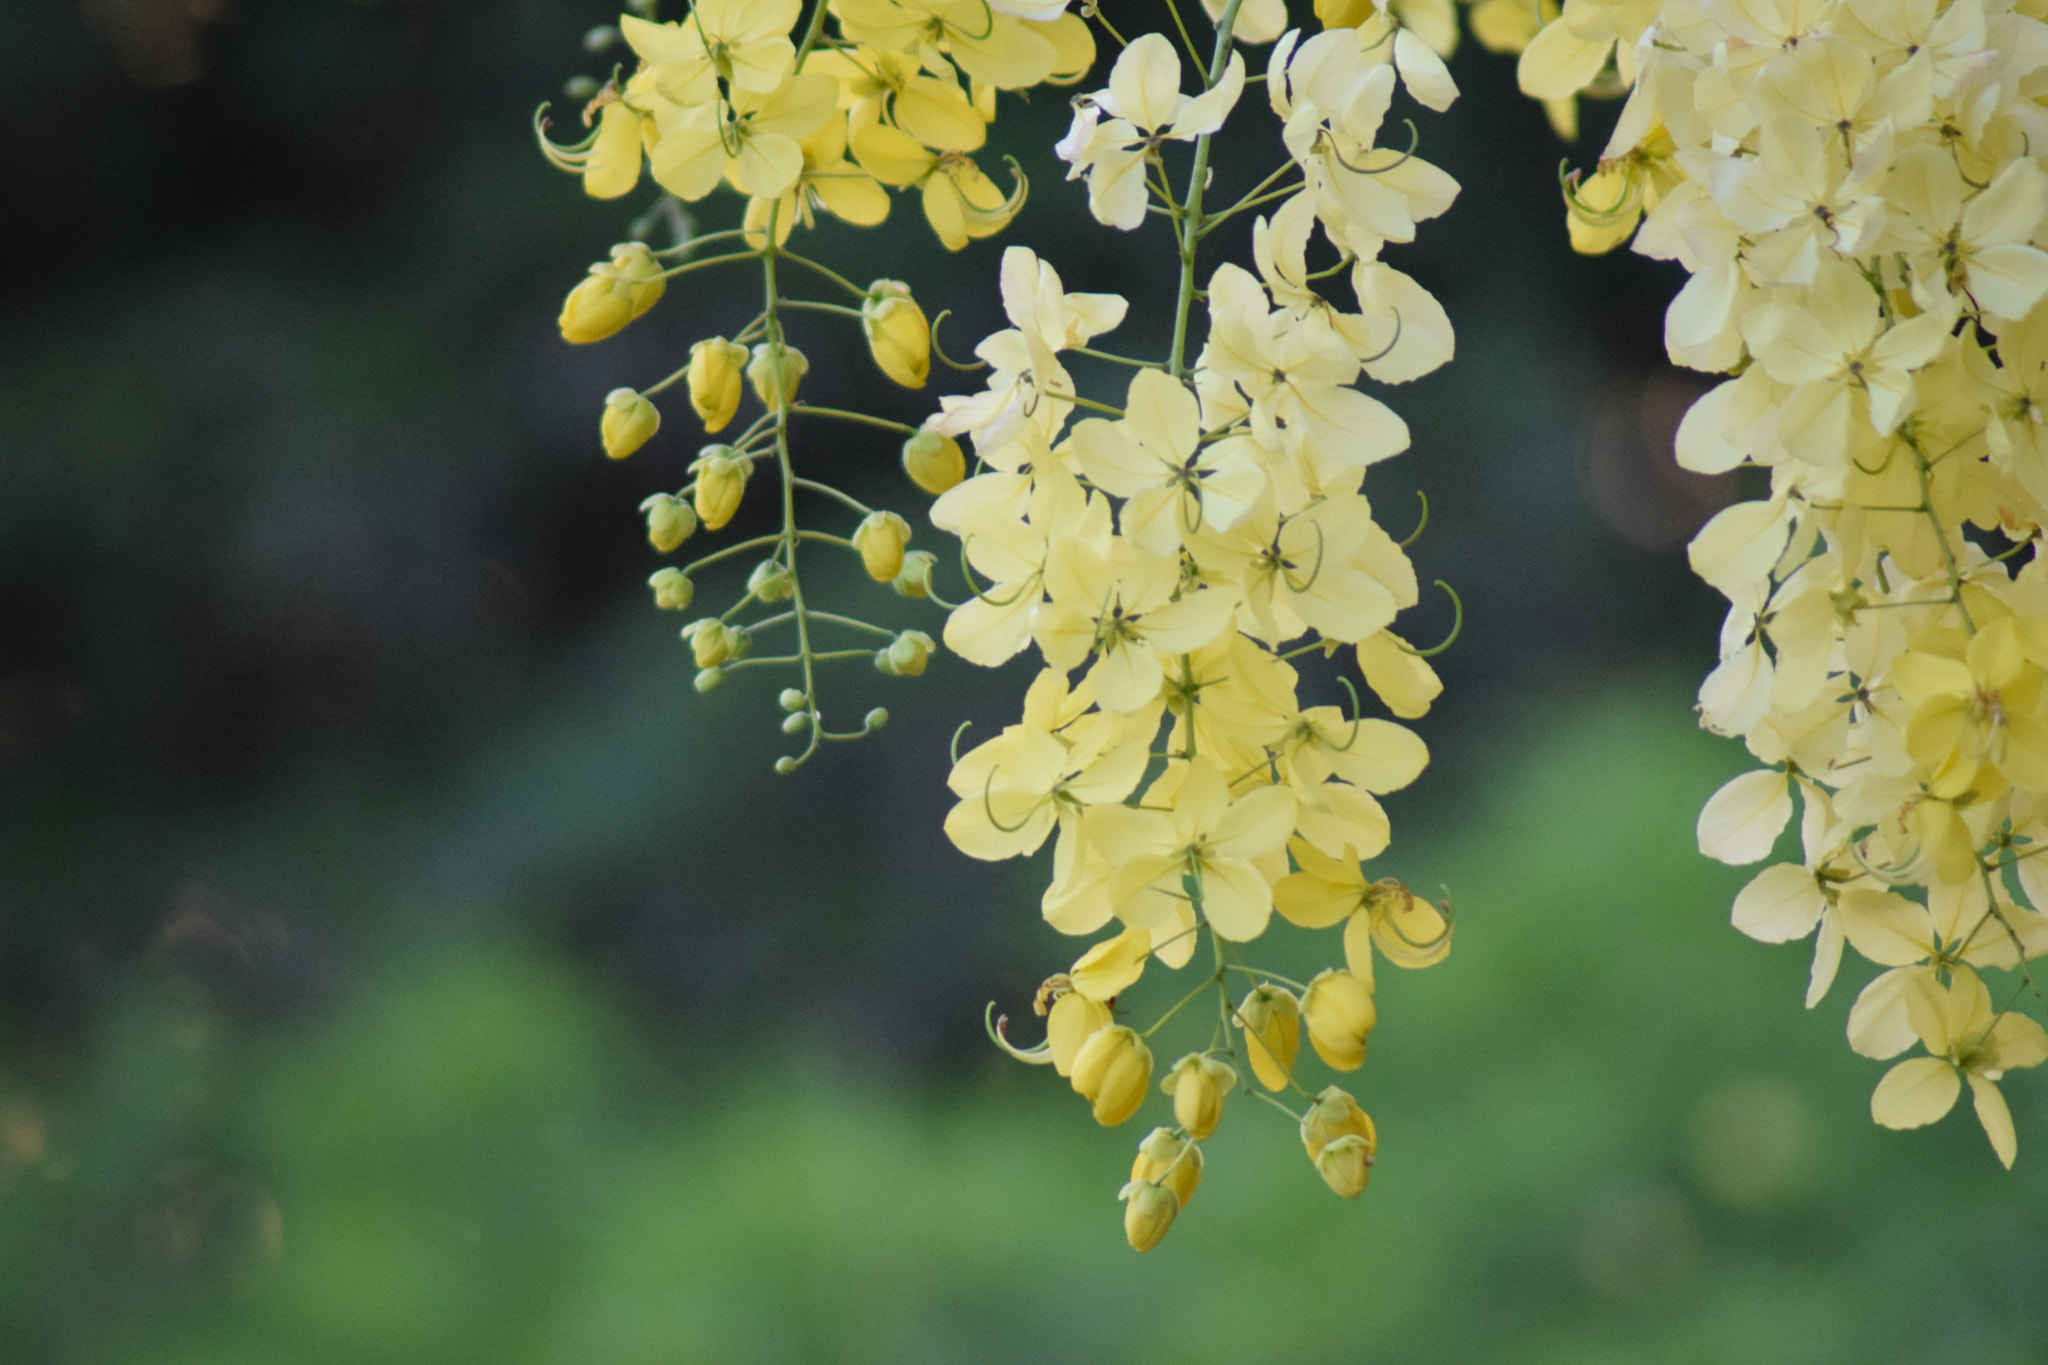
<point x="399" y="962"/>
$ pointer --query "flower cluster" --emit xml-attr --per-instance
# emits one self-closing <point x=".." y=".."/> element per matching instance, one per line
<point x="1169" y="554"/>
<point x="892" y="94"/>
<point x="1852" y="187"/>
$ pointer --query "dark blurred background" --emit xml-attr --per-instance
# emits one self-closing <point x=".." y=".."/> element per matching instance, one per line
<point x="400" y="962"/>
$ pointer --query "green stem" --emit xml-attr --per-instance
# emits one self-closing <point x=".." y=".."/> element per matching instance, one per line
<point x="1190" y="222"/>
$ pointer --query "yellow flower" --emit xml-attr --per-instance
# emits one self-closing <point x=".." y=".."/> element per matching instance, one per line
<point x="1966" y="1040"/>
<point x="713" y="642"/>
<point x="775" y="372"/>
<point x="898" y="337"/>
<point x="612" y="167"/>
<point x="628" y="421"/>
<point x="960" y="202"/>
<point x="716" y="368"/>
<point x="880" y="538"/>
<point x="672" y="589"/>
<point x="1149" y="1210"/>
<point x="721" y="480"/>
<point x="933" y="461"/>
<point x="1112" y="1071"/>
<point x="1271" y="1019"/>
<point x="1199" y="1084"/>
<point x="1167" y="1158"/>
<point x="1339" y="1011"/>
<point x="618" y="291"/>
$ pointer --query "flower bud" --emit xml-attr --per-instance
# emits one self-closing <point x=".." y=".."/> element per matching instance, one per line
<point x="1339" y="1012"/>
<point x="880" y="538"/>
<point x="672" y="589"/>
<point x="720" y="481"/>
<point x="707" y="680"/>
<point x="933" y="461"/>
<point x="628" y="421"/>
<point x="775" y="372"/>
<point x="796" y="724"/>
<point x="1166" y="1158"/>
<point x="1346" y="1165"/>
<point x="907" y="656"/>
<point x="771" y="582"/>
<point x="1271" y="1019"/>
<point x="914" y="579"/>
<point x="616" y="292"/>
<point x="1149" y="1210"/>
<point x="1111" y="1071"/>
<point x="670" y="521"/>
<point x="1072" y="1021"/>
<point x="793" y="700"/>
<point x="898" y="336"/>
<point x="713" y="642"/>
<point x="875" y="719"/>
<point x="716" y="366"/>
<point x="1198" y="1084"/>
<point x="1335" y="1114"/>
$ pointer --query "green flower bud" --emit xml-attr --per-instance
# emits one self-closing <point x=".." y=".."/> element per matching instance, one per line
<point x="914" y="579"/>
<point x="670" y="521"/>
<point x="618" y="291"/>
<point x="792" y="700"/>
<point x="672" y="589"/>
<point x="771" y="582"/>
<point x="713" y="642"/>
<point x="933" y="461"/>
<point x="709" y="679"/>
<point x="716" y="366"/>
<point x="880" y="538"/>
<point x="721" y="480"/>
<point x="775" y="372"/>
<point x="907" y="656"/>
<point x="875" y="719"/>
<point x="796" y="724"/>
<point x="898" y="336"/>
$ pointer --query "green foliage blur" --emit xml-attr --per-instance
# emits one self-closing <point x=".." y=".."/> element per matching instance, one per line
<point x="399" y="962"/>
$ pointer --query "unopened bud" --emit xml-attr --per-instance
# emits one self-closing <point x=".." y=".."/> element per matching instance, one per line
<point x="875" y="719"/>
<point x="708" y="679"/>
<point x="1271" y="1019"/>
<point x="1149" y="1210"/>
<point x="933" y="461"/>
<point x="721" y="480"/>
<point x="907" y="657"/>
<point x="628" y="421"/>
<point x="1071" y="1021"/>
<point x="1335" y="1114"/>
<point x="1112" y="1071"/>
<point x="880" y="538"/>
<point x="771" y="582"/>
<point x="713" y="642"/>
<point x="672" y="589"/>
<point x="796" y="724"/>
<point x="775" y="371"/>
<point x="792" y="700"/>
<point x="784" y="766"/>
<point x="1346" y="1165"/>
<point x="617" y="291"/>
<point x="1166" y="1158"/>
<point x="670" y="521"/>
<point x="898" y="336"/>
<point x="1339" y="1012"/>
<point x="1199" y="1083"/>
<point x="716" y="367"/>
<point x="914" y="579"/>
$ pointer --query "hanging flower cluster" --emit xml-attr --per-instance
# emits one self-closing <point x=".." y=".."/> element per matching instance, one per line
<point x="1169" y="553"/>
<point x="892" y="94"/>
<point x="1852" y="185"/>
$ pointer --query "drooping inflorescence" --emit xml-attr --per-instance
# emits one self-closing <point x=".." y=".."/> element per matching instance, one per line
<point x="1854" y="188"/>
<point x="1170" y="549"/>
